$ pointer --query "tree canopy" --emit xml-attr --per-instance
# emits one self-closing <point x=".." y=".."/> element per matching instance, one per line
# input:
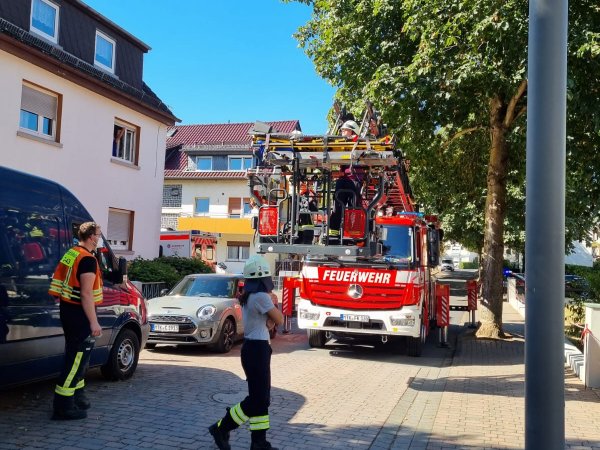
<point x="450" y="80"/>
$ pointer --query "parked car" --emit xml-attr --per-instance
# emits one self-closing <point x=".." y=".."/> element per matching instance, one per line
<point x="576" y="286"/>
<point x="447" y="264"/>
<point x="38" y="223"/>
<point x="202" y="309"/>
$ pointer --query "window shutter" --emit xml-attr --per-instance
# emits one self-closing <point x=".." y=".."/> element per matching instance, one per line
<point x="118" y="225"/>
<point x="38" y="102"/>
<point x="235" y="206"/>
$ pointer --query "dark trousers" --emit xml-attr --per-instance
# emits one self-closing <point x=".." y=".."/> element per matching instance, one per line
<point x="256" y="362"/>
<point x="78" y="349"/>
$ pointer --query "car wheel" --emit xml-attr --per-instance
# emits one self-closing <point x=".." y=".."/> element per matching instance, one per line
<point x="226" y="337"/>
<point x="123" y="357"/>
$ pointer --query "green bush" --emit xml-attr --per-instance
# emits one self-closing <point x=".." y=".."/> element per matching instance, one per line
<point x="468" y="265"/>
<point x="167" y="270"/>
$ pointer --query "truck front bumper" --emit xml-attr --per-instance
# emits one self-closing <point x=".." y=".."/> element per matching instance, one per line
<point x="403" y="322"/>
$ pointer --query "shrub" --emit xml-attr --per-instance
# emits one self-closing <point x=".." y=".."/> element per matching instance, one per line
<point x="168" y="270"/>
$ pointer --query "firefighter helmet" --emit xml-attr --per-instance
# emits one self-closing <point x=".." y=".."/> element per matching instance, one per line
<point x="257" y="267"/>
<point x="351" y="125"/>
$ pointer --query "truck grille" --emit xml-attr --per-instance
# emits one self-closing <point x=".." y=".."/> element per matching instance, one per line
<point x="374" y="297"/>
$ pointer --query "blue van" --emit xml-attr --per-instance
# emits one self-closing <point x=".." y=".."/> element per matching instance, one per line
<point x="38" y="223"/>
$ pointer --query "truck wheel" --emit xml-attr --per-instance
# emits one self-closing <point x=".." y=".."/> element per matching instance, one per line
<point x="226" y="337"/>
<point x="414" y="345"/>
<point x="123" y="358"/>
<point x="316" y="338"/>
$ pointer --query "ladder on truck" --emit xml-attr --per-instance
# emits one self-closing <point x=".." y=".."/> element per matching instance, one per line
<point x="291" y="166"/>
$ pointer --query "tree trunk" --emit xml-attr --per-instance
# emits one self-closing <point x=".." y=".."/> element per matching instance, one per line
<point x="493" y="238"/>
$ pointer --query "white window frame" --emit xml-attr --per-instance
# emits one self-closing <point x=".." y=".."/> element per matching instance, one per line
<point x="195" y="163"/>
<point x="131" y="136"/>
<point x="201" y="213"/>
<point x="114" y="50"/>
<point x="42" y="33"/>
<point x="40" y="117"/>
<point x="242" y="213"/>
<point x="240" y="256"/>
<point x="243" y="158"/>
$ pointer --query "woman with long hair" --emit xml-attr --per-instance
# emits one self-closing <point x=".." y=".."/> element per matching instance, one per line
<point x="259" y="315"/>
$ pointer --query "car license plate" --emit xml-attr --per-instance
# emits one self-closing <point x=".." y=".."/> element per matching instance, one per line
<point x="354" y="318"/>
<point x="164" y="328"/>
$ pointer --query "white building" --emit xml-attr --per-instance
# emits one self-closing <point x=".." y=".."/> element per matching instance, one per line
<point x="71" y="81"/>
<point x="206" y="187"/>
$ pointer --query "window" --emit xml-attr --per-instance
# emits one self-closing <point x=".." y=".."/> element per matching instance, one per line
<point x="104" y="56"/>
<point x="172" y="195"/>
<point x="240" y="162"/>
<point x="201" y="205"/>
<point x="125" y="142"/>
<point x="120" y="229"/>
<point x="44" y="19"/>
<point x="201" y="162"/>
<point x="239" y="207"/>
<point x="39" y="109"/>
<point x="238" y="251"/>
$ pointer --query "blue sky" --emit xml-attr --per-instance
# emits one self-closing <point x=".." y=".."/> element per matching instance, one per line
<point x="226" y="61"/>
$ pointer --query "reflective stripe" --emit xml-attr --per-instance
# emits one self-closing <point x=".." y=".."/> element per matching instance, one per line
<point x="259" y="423"/>
<point x="80" y="385"/>
<point x="65" y="392"/>
<point x="334" y="232"/>
<point x="237" y="414"/>
<point x="65" y="388"/>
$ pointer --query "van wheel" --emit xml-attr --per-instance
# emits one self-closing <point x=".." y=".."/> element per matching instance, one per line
<point x="226" y="337"/>
<point x="123" y="358"/>
<point x="316" y="338"/>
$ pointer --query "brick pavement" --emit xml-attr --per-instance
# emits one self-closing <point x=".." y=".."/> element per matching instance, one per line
<point x="469" y="396"/>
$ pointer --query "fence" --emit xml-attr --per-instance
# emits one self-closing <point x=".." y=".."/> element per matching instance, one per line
<point x="150" y="290"/>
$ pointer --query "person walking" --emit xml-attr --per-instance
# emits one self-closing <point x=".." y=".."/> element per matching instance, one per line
<point x="259" y="315"/>
<point x="77" y="283"/>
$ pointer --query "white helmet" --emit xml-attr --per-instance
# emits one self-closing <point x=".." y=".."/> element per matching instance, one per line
<point x="257" y="267"/>
<point x="351" y="125"/>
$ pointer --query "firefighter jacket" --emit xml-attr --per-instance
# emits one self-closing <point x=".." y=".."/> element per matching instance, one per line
<point x="65" y="284"/>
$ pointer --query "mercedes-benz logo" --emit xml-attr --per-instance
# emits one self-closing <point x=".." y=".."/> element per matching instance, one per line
<point x="355" y="291"/>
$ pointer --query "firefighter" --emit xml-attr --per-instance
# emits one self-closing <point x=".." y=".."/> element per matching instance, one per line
<point x="77" y="283"/>
<point x="346" y="194"/>
<point x="308" y="205"/>
<point x="350" y="130"/>
<point x="259" y="315"/>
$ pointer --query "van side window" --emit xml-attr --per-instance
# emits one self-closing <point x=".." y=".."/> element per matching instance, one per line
<point x="29" y="252"/>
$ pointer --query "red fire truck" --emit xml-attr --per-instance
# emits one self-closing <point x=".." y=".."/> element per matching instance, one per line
<point x="370" y="277"/>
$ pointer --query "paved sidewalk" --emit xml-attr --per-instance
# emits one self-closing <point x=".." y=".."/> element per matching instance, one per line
<point x="478" y="402"/>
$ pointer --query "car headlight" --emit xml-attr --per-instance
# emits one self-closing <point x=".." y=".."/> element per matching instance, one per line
<point x="206" y="312"/>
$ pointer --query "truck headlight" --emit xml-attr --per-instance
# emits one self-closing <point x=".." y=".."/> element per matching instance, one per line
<point x="403" y="321"/>
<point x="206" y="312"/>
<point x="306" y="315"/>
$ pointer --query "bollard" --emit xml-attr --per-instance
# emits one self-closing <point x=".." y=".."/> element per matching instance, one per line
<point x="442" y="295"/>
<point x="472" y="300"/>
<point x="288" y="297"/>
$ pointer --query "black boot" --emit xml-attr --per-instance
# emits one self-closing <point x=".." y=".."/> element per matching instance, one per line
<point x="221" y="437"/>
<point x="81" y="400"/>
<point x="65" y="409"/>
<point x="262" y="445"/>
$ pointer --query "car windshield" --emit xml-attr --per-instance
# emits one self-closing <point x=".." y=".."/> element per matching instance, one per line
<point x="205" y="287"/>
<point x="447" y="261"/>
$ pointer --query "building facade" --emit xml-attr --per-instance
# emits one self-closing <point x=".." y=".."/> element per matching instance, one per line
<point x="76" y="110"/>
<point x="206" y="187"/>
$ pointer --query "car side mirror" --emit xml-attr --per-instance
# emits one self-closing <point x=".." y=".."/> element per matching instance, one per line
<point x="163" y="292"/>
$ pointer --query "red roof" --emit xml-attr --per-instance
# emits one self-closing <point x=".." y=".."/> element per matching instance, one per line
<point x="205" y="175"/>
<point x="222" y="133"/>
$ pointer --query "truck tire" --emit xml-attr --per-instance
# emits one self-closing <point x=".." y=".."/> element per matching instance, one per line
<point x="316" y="338"/>
<point x="414" y="345"/>
<point x="123" y="357"/>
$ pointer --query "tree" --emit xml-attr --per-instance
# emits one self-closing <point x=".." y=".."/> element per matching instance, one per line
<point x="450" y="79"/>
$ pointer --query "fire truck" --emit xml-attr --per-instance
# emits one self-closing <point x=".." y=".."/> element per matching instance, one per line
<point x="370" y="276"/>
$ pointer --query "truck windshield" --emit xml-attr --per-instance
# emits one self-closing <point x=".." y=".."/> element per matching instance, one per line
<point x="398" y="244"/>
<point x="206" y="286"/>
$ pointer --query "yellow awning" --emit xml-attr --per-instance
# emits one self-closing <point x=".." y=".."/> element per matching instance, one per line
<point x="216" y="225"/>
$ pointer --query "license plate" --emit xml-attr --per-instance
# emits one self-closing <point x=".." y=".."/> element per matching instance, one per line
<point x="354" y="318"/>
<point x="164" y="328"/>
